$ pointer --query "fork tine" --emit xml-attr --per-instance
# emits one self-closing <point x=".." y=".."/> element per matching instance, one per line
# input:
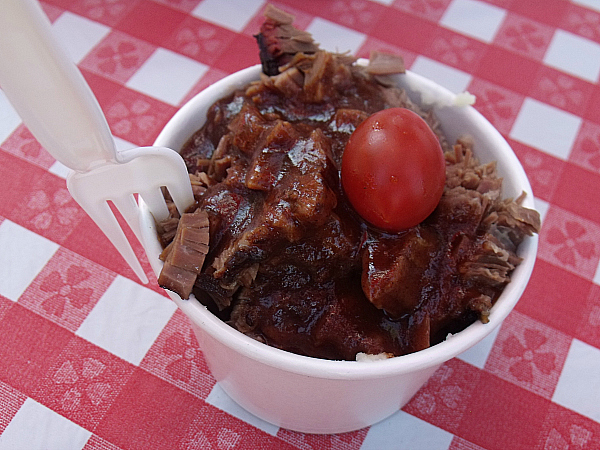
<point x="129" y="209"/>
<point x="101" y="213"/>
<point x="182" y="195"/>
<point x="156" y="203"/>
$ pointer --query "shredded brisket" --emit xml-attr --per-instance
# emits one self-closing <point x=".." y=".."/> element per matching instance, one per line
<point x="275" y="249"/>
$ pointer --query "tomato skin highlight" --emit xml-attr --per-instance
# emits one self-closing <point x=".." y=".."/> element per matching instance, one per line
<point x="393" y="169"/>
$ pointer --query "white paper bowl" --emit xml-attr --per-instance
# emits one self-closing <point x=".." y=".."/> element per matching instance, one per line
<point x="320" y="396"/>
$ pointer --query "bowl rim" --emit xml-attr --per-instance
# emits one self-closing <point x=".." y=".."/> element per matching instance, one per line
<point x="332" y="369"/>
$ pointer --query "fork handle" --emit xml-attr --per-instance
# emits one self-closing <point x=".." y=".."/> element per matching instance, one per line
<point x="48" y="91"/>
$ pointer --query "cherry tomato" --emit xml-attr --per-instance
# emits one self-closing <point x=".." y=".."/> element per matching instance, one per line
<point x="393" y="169"/>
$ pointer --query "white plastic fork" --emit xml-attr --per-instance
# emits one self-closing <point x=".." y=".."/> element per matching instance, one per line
<point x="57" y="105"/>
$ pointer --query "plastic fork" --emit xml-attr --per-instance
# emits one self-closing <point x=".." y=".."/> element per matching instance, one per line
<point x="57" y="105"/>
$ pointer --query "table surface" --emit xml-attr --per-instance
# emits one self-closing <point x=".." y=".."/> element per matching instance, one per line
<point x="92" y="359"/>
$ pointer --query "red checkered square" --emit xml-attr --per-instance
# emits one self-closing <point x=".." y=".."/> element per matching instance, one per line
<point x="567" y="429"/>
<point x="342" y="441"/>
<point x="182" y="5"/>
<point x="550" y="14"/>
<point x="63" y="4"/>
<point x="508" y="69"/>
<point x="524" y="36"/>
<point x="582" y="21"/>
<point x="83" y="382"/>
<point x="200" y="40"/>
<point x="500" y="415"/>
<point x="67" y="289"/>
<point x="586" y="149"/>
<point x="541" y="168"/>
<point x="589" y="331"/>
<point x="404" y="30"/>
<point x="176" y="357"/>
<point x="570" y="242"/>
<point x="499" y="105"/>
<point x="544" y="297"/>
<point x="22" y="144"/>
<point x="47" y="208"/>
<point x="10" y="402"/>
<point x="529" y="354"/>
<point x="136" y="117"/>
<point x="51" y="11"/>
<point x="427" y="9"/>
<point x="16" y="177"/>
<point x="359" y="15"/>
<point x="455" y="49"/>
<point x="442" y="401"/>
<point x="151" y="22"/>
<point x="118" y="56"/>
<point x="104" y="89"/>
<point x="108" y="12"/>
<point x="149" y="413"/>
<point x="562" y="90"/>
<point x="242" y="52"/>
<point x="31" y="344"/>
<point x="152" y="413"/>
<point x="577" y="191"/>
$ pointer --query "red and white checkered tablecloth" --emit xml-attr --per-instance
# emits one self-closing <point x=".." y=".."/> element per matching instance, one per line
<point x="91" y="359"/>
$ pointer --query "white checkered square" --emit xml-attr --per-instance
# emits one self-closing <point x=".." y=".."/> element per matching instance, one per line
<point x="167" y="76"/>
<point x="478" y="354"/>
<point x="565" y="53"/>
<point x="453" y="79"/>
<point x="592" y="4"/>
<point x="127" y="319"/>
<point x="78" y="35"/>
<point x="541" y="206"/>
<point x="406" y="431"/>
<point x="35" y="426"/>
<point x="596" y="279"/>
<point x="9" y="119"/>
<point x="23" y="254"/>
<point x="232" y="14"/>
<point x="473" y="18"/>
<point x="334" y="37"/>
<point x="219" y="399"/>
<point x="122" y="144"/>
<point x="546" y="128"/>
<point x="579" y="383"/>
<point x="59" y="169"/>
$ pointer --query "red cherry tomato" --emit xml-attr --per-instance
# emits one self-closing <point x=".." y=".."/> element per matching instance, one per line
<point x="393" y="169"/>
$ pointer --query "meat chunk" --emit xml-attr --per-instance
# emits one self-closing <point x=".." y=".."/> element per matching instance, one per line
<point x="382" y="63"/>
<point x="394" y="270"/>
<point x="185" y="255"/>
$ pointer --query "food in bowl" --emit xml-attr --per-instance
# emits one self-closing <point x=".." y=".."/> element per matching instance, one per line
<point x="274" y="246"/>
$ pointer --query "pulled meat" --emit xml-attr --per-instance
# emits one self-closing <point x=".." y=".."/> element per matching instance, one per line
<point x="279" y="41"/>
<point x="289" y="261"/>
